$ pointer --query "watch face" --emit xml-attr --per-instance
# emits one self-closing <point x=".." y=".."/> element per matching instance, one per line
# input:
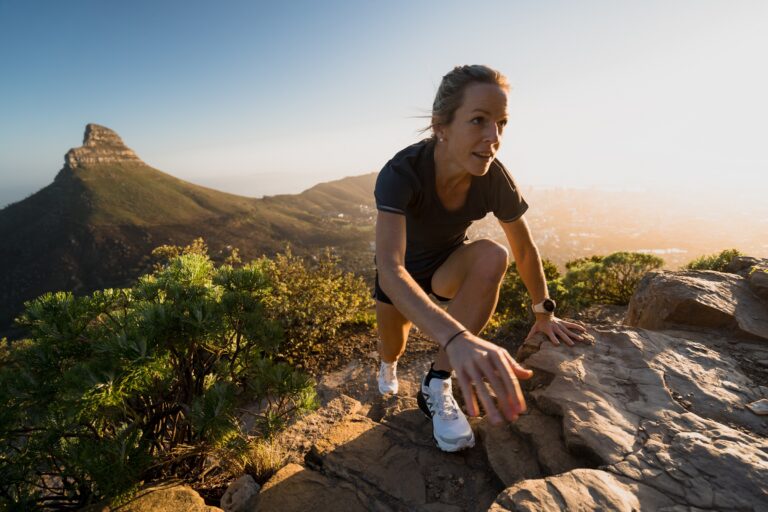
<point x="549" y="305"/>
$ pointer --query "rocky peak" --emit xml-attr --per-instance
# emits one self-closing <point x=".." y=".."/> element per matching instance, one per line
<point x="100" y="146"/>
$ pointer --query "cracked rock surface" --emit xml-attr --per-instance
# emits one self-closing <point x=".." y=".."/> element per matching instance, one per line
<point x="662" y="414"/>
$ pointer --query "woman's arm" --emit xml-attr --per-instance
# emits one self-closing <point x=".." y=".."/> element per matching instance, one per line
<point x="531" y="271"/>
<point x="473" y="358"/>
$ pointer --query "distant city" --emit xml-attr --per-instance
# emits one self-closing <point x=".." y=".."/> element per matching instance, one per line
<point x="568" y="224"/>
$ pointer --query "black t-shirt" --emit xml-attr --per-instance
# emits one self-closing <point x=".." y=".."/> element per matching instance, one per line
<point x="406" y="186"/>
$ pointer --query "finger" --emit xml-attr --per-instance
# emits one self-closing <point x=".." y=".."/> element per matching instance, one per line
<point x="573" y="325"/>
<point x="563" y="336"/>
<point x="485" y="398"/>
<point x="551" y="335"/>
<point x="492" y="368"/>
<point x="573" y="335"/>
<point x="514" y="398"/>
<point x="466" y="390"/>
<point x="517" y="368"/>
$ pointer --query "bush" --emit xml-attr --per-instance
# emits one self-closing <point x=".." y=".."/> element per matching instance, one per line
<point x="514" y="306"/>
<point x="716" y="262"/>
<point x="132" y="385"/>
<point x="311" y="301"/>
<point x="607" y="280"/>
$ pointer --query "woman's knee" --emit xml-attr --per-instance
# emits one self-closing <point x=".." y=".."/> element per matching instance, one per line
<point x="492" y="260"/>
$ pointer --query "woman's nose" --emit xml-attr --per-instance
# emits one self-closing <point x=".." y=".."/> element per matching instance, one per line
<point x="493" y="133"/>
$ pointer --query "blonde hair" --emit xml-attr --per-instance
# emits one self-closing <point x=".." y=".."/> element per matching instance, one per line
<point x="450" y="94"/>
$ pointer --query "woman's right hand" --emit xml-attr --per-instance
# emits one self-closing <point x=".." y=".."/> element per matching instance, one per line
<point x="476" y="361"/>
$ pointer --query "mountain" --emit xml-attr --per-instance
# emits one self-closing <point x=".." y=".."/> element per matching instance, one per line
<point x="96" y="224"/>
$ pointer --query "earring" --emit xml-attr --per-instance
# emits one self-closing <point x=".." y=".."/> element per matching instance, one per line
<point x="440" y="139"/>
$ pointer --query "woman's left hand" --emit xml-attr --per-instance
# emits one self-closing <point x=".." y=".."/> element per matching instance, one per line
<point x="558" y="330"/>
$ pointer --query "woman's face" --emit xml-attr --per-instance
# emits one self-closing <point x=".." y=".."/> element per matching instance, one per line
<point x="472" y="139"/>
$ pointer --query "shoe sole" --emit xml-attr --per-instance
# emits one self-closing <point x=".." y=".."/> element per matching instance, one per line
<point x="422" y="402"/>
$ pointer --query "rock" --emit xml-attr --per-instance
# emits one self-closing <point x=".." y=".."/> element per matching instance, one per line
<point x="544" y="434"/>
<point x="298" y="438"/>
<point x="742" y="264"/>
<point x="663" y="415"/>
<point x="100" y="145"/>
<point x="166" y="498"/>
<point x="698" y="299"/>
<point x="298" y="489"/>
<point x="241" y="495"/>
<point x="758" y="282"/>
<point x="581" y="489"/>
<point x="759" y="407"/>
<point x="511" y="457"/>
<point x="395" y="463"/>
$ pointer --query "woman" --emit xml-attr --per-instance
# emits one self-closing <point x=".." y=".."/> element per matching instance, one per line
<point x="426" y="197"/>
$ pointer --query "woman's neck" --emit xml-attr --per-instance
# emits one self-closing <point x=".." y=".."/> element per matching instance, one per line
<point x="448" y="174"/>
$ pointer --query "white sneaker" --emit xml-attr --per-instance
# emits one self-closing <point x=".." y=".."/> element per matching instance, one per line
<point x="450" y="427"/>
<point x="388" y="378"/>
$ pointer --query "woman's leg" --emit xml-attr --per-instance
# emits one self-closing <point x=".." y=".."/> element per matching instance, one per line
<point x="393" y="331"/>
<point x="472" y="276"/>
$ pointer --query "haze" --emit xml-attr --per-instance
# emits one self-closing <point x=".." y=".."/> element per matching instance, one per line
<point x="263" y="98"/>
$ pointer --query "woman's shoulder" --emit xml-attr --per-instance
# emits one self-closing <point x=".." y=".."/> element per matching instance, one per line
<point x="498" y="173"/>
<point x="410" y="158"/>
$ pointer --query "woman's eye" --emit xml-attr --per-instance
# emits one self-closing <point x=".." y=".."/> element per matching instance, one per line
<point x="477" y="120"/>
<point x="503" y="123"/>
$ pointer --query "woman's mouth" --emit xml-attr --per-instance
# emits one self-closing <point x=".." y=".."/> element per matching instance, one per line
<point x="484" y="156"/>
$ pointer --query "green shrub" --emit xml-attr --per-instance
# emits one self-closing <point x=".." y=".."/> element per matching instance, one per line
<point x="133" y="385"/>
<point x="716" y="262"/>
<point x="610" y="279"/>
<point x="514" y="306"/>
<point x="311" y="300"/>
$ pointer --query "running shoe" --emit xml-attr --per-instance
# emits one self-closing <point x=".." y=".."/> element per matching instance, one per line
<point x="388" y="378"/>
<point x="450" y="427"/>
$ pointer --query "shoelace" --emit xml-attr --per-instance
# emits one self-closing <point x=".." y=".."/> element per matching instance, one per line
<point x="446" y="405"/>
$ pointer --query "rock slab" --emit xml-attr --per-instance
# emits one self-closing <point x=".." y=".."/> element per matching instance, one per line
<point x="662" y="415"/>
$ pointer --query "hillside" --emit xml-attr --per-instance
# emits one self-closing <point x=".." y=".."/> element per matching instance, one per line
<point x="96" y="224"/>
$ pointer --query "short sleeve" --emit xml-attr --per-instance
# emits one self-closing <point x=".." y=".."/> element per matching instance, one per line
<point x="394" y="191"/>
<point x="507" y="203"/>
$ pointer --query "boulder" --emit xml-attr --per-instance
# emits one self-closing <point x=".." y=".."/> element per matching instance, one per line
<point x="581" y="489"/>
<point x="297" y="489"/>
<point x="165" y="498"/>
<point x="698" y="299"/>
<point x="663" y="417"/>
<point x="241" y="495"/>
<point x="758" y="282"/>
<point x="743" y="264"/>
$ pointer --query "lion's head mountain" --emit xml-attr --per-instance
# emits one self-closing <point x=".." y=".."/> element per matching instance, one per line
<point x="96" y="224"/>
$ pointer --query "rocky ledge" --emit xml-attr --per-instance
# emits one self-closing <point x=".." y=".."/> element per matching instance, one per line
<point x="655" y="414"/>
<point x="100" y="146"/>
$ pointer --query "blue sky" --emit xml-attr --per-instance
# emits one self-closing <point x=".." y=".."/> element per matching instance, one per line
<point x="265" y="97"/>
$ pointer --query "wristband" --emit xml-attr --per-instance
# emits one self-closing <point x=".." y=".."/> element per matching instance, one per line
<point x="445" y="347"/>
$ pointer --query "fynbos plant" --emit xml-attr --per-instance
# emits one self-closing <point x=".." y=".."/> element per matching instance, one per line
<point x="132" y="385"/>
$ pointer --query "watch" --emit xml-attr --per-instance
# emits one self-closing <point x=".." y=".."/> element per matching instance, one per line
<point x="545" y="306"/>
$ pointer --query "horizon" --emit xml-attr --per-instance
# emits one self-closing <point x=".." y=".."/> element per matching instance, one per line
<point x="261" y="100"/>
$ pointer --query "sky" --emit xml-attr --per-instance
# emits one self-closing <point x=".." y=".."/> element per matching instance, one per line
<point x="271" y="97"/>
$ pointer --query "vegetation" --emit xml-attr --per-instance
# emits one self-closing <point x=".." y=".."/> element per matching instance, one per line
<point x="716" y="262"/>
<point x="608" y="279"/>
<point x="514" y="307"/>
<point x="133" y="385"/>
